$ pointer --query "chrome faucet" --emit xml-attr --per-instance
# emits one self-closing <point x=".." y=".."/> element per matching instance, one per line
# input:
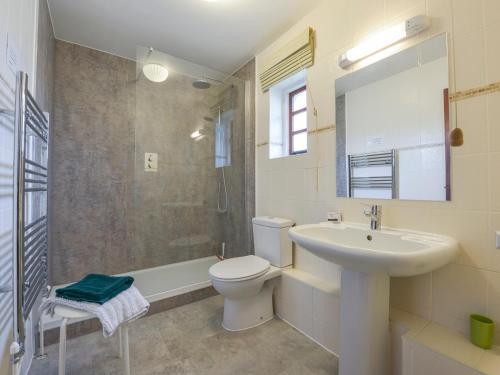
<point x="374" y="212"/>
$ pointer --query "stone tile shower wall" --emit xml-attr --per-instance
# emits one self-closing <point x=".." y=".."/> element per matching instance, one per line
<point x="108" y="214"/>
<point x="92" y="163"/>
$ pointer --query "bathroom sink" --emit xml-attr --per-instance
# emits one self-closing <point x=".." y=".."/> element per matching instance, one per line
<point x="391" y="251"/>
<point x="368" y="259"/>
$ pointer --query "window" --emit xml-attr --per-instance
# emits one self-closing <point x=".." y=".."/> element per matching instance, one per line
<point x="288" y="117"/>
<point x="297" y="115"/>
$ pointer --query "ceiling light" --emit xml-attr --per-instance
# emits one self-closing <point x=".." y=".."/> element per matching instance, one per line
<point x="383" y="39"/>
<point x="155" y="72"/>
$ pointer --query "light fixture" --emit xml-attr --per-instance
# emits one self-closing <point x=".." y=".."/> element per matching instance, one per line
<point x="196" y="134"/>
<point x="155" y="72"/>
<point x="383" y="39"/>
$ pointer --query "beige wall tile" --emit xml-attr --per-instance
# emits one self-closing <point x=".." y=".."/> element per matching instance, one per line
<point x="310" y="184"/>
<point x="366" y="17"/>
<point x="326" y="318"/>
<point x="326" y="184"/>
<point x="493" y="119"/>
<point x="295" y="303"/>
<point x="494" y="253"/>
<point x="493" y="311"/>
<point x="493" y="52"/>
<point x="467" y="16"/>
<point x="472" y="119"/>
<point x="490" y="362"/>
<point x="394" y="8"/>
<point x="470" y="229"/>
<point x="413" y="294"/>
<point x="440" y="11"/>
<point x="326" y="153"/>
<point x="425" y="361"/>
<point x="457" y="292"/>
<point x="469" y="59"/>
<point x="491" y="11"/>
<point x="414" y="215"/>
<point x="470" y="182"/>
<point x="494" y="166"/>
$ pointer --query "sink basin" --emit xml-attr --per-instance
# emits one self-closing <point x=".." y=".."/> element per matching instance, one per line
<point x="391" y="251"/>
<point x="368" y="259"/>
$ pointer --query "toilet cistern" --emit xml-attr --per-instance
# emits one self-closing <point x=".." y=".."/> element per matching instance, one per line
<point x="374" y="212"/>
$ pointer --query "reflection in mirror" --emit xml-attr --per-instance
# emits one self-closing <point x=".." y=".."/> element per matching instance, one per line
<point x="392" y="119"/>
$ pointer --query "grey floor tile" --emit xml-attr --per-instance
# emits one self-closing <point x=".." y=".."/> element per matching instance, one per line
<point x="189" y="340"/>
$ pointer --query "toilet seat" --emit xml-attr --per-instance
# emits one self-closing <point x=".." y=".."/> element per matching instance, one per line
<point x="240" y="268"/>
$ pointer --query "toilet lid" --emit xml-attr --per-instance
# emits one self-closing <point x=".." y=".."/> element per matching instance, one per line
<point x="239" y="268"/>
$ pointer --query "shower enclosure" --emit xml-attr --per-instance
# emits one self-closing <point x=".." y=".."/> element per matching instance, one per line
<point x="147" y="174"/>
<point x="190" y="202"/>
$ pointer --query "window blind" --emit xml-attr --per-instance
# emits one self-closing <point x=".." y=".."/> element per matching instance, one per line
<point x="296" y="55"/>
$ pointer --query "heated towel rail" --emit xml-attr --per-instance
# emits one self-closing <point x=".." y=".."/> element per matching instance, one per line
<point x="32" y="172"/>
<point x="373" y="159"/>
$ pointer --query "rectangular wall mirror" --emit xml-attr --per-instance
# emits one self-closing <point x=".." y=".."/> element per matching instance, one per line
<point x="392" y="124"/>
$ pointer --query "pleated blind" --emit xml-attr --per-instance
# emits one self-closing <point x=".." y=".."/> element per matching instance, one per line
<point x="296" y="55"/>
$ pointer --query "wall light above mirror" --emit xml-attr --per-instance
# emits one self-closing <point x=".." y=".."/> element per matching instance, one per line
<point x="392" y="120"/>
<point x="384" y="38"/>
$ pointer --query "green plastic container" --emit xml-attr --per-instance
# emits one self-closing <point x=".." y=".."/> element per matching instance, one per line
<point x="481" y="331"/>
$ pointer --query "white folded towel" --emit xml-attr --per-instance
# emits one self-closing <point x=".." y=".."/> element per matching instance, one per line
<point x="125" y="307"/>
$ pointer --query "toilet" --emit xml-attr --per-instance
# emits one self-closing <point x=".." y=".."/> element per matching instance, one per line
<point x="247" y="283"/>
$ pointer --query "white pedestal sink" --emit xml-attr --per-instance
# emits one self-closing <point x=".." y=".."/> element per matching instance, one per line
<point x="368" y="259"/>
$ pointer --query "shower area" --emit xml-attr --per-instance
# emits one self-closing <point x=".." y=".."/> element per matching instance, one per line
<point x="150" y="177"/>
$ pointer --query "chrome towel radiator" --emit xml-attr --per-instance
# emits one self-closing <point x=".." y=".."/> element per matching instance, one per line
<point x="373" y="159"/>
<point x="31" y="205"/>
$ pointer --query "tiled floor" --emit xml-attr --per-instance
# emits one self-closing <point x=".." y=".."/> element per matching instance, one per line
<point x="190" y="340"/>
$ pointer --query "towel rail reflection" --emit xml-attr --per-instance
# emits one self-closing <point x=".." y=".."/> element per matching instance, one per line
<point x="373" y="159"/>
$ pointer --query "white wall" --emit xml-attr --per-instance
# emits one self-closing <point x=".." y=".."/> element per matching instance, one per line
<point x="400" y="112"/>
<point x="302" y="187"/>
<point x="18" y="24"/>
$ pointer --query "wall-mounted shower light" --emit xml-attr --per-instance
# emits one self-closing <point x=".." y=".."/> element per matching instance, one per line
<point x="196" y="134"/>
<point x="155" y="72"/>
<point x="384" y="39"/>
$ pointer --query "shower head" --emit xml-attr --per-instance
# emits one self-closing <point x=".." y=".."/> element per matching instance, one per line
<point x="201" y="84"/>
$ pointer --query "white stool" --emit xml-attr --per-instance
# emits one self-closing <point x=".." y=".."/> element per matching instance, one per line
<point x="67" y="313"/>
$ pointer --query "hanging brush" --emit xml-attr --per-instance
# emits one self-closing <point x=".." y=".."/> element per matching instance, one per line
<point x="456" y="135"/>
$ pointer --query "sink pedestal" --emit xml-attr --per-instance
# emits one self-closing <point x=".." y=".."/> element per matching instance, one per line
<point x="364" y="331"/>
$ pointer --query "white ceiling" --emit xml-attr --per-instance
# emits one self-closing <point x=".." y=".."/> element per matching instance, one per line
<point x="221" y="34"/>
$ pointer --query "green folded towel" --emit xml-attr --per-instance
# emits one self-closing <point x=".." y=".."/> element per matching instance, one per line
<point x="95" y="288"/>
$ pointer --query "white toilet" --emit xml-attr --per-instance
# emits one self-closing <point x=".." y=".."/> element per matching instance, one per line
<point x="247" y="283"/>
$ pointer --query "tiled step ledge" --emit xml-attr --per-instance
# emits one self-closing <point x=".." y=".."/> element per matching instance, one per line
<point x="311" y="305"/>
<point x="432" y="349"/>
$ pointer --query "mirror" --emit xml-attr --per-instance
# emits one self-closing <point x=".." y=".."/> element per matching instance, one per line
<point x="392" y="123"/>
